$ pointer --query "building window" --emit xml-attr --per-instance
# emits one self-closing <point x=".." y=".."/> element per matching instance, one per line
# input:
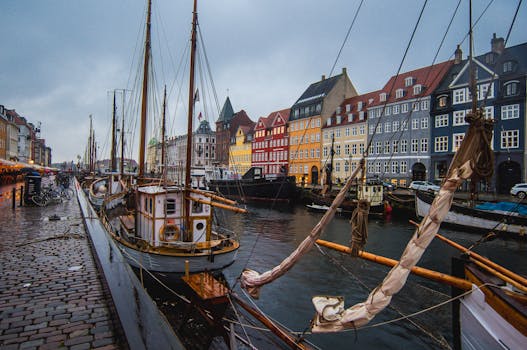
<point x="460" y="96"/>
<point x="456" y="141"/>
<point x="459" y="118"/>
<point x="424" y="145"/>
<point x="399" y="93"/>
<point x="442" y="101"/>
<point x="370" y="130"/>
<point x="354" y="149"/>
<point x="510" y="112"/>
<point x="403" y="166"/>
<point x="424" y="105"/>
<point x="395" y="146"/>
<point x="483" y="90"/>
<point x="508" y="66"/>
<point x="387" y="127"/>
<point x="395" y="167"/>
<point x="424" y="123"/>
<point x="378" y="147"/>
<point x="404" y="107"/>
<point x="361" y="115"/>
<point x="386" y="167"/>
<point x="408" y="81"/>
<point x="354" y="131"/>
<point x="404" y="125"/>
<point x="379" y="129"/>
<point x="510" y="139"/>
<point x="347" y="132"/>
<point x="361" y="130"/>
<point x="378" y="167"/>
<point x="488" y="113"/>
<point x="359" y="106"/>
<point x="404" y="146"/>
<point x="415" y="124"/>
<point x="511" y="88"/>
<point x="415" y="146"/>
<point x="386" y="147"/>
<point x="441" y="120"/>
<point x="441" y="144"/>
<point x="415" y="106"/>
<point x="396" y="109"/>
<point x="382" y="97"/>
<point x="388" y="110"/>
<point x="348" y="107"/>
<point x="417" y="89"/>
<point x="395" y="126"/>
<point x="361" y="148"/>
<point x="346" y="149"/>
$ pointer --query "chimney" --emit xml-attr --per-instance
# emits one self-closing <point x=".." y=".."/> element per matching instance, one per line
<point x="344" y="71"/>
<point x="323" y="77"/>
<point x="458" y="55"/>
<point x="497" y="44"/>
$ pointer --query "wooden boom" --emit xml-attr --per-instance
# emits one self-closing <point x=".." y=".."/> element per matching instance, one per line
<point x="419" y="271"/>
<point x="219" y="205"/>
<point x="213" y="196"/>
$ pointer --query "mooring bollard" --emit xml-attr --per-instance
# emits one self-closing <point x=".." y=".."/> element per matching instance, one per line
<point x="21" y="195"/>
<point x="13" y="195"/>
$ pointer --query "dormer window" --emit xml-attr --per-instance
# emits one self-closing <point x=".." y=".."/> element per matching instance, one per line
<point x="338" y="110"/>
<point x="339" y="119"/>
<point x="417" y="89"/>
<point x="359" y="106"/>
<point x="508" y="67"/>
<point x="370" y="101"/>
<point x="328" y="123"/>
<point x="361" y="115"/>
<point x="511" y="88"/>
<point x="348" y="107"/>
<point x="399" y="93"/>
<point x="382" y="97"/>
<point x="350" y="118"/>
<point x="408" y="81"/>
<point x="442" y="101"/>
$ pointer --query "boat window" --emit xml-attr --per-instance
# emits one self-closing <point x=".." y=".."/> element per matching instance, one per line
<point x="146" y="204"/>
<point x="150" y="206"/>
<point x="197" y="208"/>
<point x="170" y="206"/>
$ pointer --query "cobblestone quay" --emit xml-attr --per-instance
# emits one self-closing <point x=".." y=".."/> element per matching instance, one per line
<point x="51" y="293"/>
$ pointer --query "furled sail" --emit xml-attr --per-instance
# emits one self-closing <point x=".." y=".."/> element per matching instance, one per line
<point x="252" y="280"/>
<point x="471" y="160"/>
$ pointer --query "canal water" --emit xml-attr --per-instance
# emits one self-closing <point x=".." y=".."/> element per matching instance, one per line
<point x="269" y="235"/>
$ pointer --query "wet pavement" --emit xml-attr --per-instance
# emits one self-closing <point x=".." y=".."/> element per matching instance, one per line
<point x="51" y="293"/>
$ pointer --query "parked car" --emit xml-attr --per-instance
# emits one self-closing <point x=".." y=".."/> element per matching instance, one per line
<point x="424" y="186"/>
<point x="388" y="186"/>
<point x="519" y="190"/>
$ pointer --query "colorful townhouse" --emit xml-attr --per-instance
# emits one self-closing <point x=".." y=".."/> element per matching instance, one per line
<point x="308" y="114"/>
<point x="399" y="126"/>
<point x="241" y="149"/>
<point x="500" y="76"/>
<point x="270" y="144"/>
<point x="346" y="132"/>
<point x="226" y="130"/>
<point x="3" y="133"/>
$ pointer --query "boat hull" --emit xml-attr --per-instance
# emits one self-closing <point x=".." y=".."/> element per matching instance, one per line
<point x="470" y="218"/>
<point x="176" y="264"/>
<point x="283" y="190"/>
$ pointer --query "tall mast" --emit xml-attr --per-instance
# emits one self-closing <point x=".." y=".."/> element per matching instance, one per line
<point x="90" y="147"/>
<point x="191" y="96"/>
<point x="122" y="139"/>
<point x="163" y="125"/>
<point x="144" y="104"/>
<point x="114" y="160"/>
<point x="472" y="68"/>
<point x="188" y="162"/>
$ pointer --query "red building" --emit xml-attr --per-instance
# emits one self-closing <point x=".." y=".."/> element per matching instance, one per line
<point x="270" y="146"/>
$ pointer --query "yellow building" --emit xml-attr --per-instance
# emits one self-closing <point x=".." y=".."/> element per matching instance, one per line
<point x="347" y="132"/>
<point x="240" y="151"/>
<point x="309" y="113"/>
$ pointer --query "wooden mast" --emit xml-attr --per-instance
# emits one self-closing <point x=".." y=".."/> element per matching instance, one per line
<point x="188" y="163"/>
<point x="163" y="131"/>
<point x="114" y="160"/>
<point x="121" y="165"/>
<point x="90" y="151"/>
<point x="144" y="104"/>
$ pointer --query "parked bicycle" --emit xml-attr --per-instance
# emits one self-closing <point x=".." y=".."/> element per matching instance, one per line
<point x="49" y="195"/>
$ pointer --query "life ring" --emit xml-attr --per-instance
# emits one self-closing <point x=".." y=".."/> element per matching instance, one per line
<point x="169" y="233"/>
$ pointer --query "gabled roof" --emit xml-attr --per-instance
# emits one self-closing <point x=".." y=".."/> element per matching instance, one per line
<point x="428" y="77"/>
<point x="227" y="112"/>
<point x="239" y="118"/>
<point x="369" y="99"/>
<point x="284" y="114"/>
<point x="317" y="91"/>
<point x="262" y="123"/>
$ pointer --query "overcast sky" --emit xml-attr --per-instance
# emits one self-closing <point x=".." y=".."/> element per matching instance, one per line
<point x="60" y="58"/>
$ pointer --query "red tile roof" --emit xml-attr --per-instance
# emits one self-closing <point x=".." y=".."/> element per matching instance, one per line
<point x="369" y="99"/>
<point x="428" y="77"/>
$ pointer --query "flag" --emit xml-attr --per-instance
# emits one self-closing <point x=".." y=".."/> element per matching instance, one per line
<point x="196" y="96"/>
<point x="200" y="116"/>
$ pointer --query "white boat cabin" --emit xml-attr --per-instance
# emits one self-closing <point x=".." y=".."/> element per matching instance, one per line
<point x="161" y="219"/>
<point x="371" y="192"/>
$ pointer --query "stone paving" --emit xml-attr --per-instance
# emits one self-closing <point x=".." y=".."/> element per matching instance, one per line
<point x="51" y="293"/>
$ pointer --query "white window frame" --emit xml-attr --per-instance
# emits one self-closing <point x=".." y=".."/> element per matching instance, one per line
<point x="510" y="139"/>
<point x="424" y="123"/>
<point x="441" y="144"/>
<point x="457" y="139"/>
<point x="415" y="123"/>
<point x="458" y="118"/>
<point x="510" y="112"/>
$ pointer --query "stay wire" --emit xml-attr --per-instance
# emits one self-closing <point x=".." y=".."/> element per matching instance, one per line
<point x="346" y="38"/>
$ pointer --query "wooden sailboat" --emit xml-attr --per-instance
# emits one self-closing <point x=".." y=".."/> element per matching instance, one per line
<point x="170" y="228"/>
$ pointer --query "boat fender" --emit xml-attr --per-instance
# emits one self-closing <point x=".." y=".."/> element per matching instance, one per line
<point x="169" y="233"/>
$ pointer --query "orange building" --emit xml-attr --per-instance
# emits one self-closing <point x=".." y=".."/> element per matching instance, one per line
<point x="308" y="114"/>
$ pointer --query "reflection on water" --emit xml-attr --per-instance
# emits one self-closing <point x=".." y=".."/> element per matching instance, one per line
<point x="268" y="236"/>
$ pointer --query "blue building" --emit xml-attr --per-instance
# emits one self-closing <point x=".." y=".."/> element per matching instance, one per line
<point x="500" y="78"/>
